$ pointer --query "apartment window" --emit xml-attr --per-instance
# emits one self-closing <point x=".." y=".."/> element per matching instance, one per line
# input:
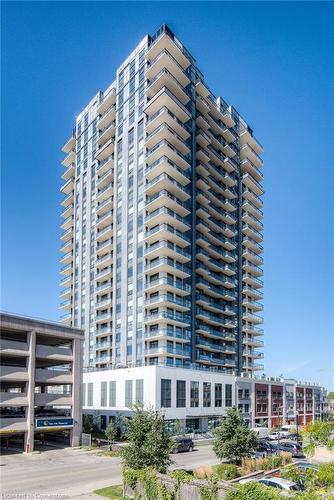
<point x="83" y="394"/>
<point x="90" y="394"/>
<point x="206" y="394"/>
<point x="218" y="395"/>
<point x="104" y="386"/>
<point x="180" y="393"/>
<point x="166" y="393"/>
<point x="228" y="395"/>
<point x="194" y="394"/>
<point x="112" y="393"/>
<point x="140" y="391"/>
<point x="128" y="393"/>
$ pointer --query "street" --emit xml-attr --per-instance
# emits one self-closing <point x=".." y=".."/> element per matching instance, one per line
<point x="75" y="473"/>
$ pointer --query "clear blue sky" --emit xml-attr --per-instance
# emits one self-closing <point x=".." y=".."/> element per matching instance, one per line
<point x="272" y="61"/>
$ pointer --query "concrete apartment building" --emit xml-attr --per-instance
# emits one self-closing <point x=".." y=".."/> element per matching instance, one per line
<point x="41" y="380"/>
<point x="162" y="222"/>
<point x="199" y="398"/>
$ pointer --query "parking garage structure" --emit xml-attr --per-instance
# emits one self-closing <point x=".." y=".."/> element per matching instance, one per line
<point x="40" y="375"/>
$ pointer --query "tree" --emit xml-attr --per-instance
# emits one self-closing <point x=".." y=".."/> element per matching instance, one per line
<point x="149" y="445"/>
<point x="233" y="439"/>
<point x="111" y="431"/>
<point x="318" y="434"/>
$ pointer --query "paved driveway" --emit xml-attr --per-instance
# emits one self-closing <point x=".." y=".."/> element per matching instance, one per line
<point x="69" y="473"/>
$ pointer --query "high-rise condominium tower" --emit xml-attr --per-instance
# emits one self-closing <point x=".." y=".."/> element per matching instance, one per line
<point x="162" y="220"/>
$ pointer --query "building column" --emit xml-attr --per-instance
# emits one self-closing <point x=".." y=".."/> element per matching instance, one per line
<point x="76" y="393"/>
<point x="29" y="435"/>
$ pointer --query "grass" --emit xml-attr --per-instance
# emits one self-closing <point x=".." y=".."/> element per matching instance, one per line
<point x="114" y="492"/>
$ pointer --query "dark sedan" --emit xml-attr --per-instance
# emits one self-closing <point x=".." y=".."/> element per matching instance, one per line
<point x="184" y="444"/>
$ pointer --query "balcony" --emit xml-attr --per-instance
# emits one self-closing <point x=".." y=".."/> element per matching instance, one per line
<point x="166" y="182"/>
<point x="165" y="264"/>
<point x="252" y="318"/>
<point x="105" y="219"/>
<point x="246" y="137"/>
<point x="169" y="284"/>
<point x="69" y="172"/>
<point x="106" y="133"/>
<point x="69" y="158"/>
<point x="248" y="218"/>
<point x="69" y="145"/>
<point x="252" y="342"/>
<point x="165" y="40"/>
<point x="104" y="206"/>
<point x="68" y="199"/>
<point x="68" y="235"/>
<point x="164" y="131"/>
<point x="104" y="288"/>
<point x="164" y="198"/>
<point x="252" y="184"/>
<point x="249" y="207"/>
<point x="214" y="333"/>
<point x="104" y="246"/>
<point x="104" y="274"/>
<point x="246" y="151"/>
<point x="180" y="304"/>
<point x="107" y="101"/>
<point x="252" y="330"/>
<point x="162" y="333"/>
<point x="66" y="294"/>
<point x="66" y="282"/>
<point x="102" y="304"/>
<point x="215" y="291"/>
<point x="166" y="148"/>
<point x="165" y="165"/>
<point x="253" y="305"/>
<point x="107" y="117"/>
<point x="252" y="281"/>
<point x="66" y="304"/>
<point x="68" y="186"/>
<point x="165" y="350"/>
<point x="252" y="269"/>
<point x="254" y="293"/>
<point x="105" y="165"/>
<point x="105" y="151"/>
<point x="165" y="215"/>
<point x="252" y="244"/>
<point x="249" y="168"/>
<point x="68" y="222"/>
<point x="105" y="260"/>
<point x="104" y="233"/>
<point x="164" y="115"/>
<point x="160" y="76"/>
<point x="252" y="233"/>
<point x="66" y="270"/>
<point x="104" y="193"/>
<point x="165" y="98"/>
<point x="69" y="210"/>
<point x="103" y="317"/>
<point x="213" y="346"/>
<point x="175" y="318"/>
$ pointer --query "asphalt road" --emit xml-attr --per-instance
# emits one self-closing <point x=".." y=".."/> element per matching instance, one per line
<point x="68" y="473"/>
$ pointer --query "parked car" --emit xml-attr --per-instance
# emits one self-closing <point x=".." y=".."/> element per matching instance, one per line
<point x="184" y="444"/>
<point x="279" y="483"/>
<point x="294" y="437"/>
<point x="274" y="436"/>
<point x="265" y="448"/>
<point x="306" y="465"/>
<point x="294" y="448"/>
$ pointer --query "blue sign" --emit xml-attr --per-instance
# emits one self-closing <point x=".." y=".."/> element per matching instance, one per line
<point x="54" y="422"/>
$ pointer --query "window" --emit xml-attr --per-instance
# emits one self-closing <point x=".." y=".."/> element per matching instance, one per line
<point x="166" y="393"/>
<point x="90" y="394"/>
<point x="180" y="393"/>
<point x="128" y="393"/>
<point x="83" y="394"/>
<point x="218" y="395"/>
<point x="194" y="394"/>
<point x="104" y="386"/>
<point x="228" y="395"/>
<point x="112" y="393"/>
<point x="140" y="391"/>
<point x="206" y="394"/>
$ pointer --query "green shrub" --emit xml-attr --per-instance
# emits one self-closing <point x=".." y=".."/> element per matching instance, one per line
<point x="326" y="474"/>
<point x="181" y="476"/>
<point x="252" y="491"/>
<point x="226" y="471"/>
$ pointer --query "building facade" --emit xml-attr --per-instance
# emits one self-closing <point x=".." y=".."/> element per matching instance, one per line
<point x="198" y="399"/>
<point x="41" y="380"/>
<point x="162" y="220"/>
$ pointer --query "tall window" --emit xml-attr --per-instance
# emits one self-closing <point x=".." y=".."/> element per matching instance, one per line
<point x="228" y="395"/>
<point x="180" y="393"/>
<point x="128" y="393"/>
<point x="218" y="395"/>
<point x="104" y="386"/>
<point x="140" y="391"/>
<point x="112" y="393"/>
<point x="206" y="394"/>
<point x="83" y="394"/>
<point x="194" y="394"/>
<point x="166" y="393"/>
<point x="90" y="394"/>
